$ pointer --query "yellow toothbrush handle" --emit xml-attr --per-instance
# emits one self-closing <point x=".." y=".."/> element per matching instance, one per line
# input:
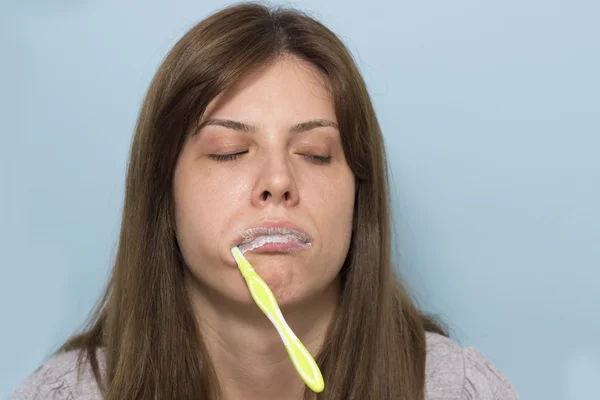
<point x="263" y="296"/>
<point x="305" y="365"/>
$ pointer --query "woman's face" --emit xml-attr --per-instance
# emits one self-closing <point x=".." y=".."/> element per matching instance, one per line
<point x="266" y="171"/>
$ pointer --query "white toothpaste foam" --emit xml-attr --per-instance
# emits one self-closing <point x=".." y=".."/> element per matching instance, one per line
<point x="262" y="240"/>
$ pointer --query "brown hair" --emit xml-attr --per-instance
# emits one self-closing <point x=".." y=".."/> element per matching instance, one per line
<point x="375" y="347"/>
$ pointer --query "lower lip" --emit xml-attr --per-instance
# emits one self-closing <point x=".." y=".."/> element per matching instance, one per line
<point x="279" y="244"/>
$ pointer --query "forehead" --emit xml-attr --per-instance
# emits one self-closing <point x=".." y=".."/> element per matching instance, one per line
<point x="285" y="88"/>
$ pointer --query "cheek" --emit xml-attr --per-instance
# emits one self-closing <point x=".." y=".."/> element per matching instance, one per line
<point x="335" y="217"/>
<point x="195" y="200"/>
<point x="205" y="202"/>
<point x="334" y="203"/>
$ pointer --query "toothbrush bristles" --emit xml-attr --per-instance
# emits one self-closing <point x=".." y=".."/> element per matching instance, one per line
<point x="237" y="254"/>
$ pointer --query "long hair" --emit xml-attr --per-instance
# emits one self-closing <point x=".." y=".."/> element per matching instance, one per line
<point x="375" y="346"/>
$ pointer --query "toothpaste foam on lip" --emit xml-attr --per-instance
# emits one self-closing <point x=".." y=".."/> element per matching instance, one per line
<point x="265" y="239"/>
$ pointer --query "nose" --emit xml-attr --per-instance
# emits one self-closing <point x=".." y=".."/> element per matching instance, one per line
<point x="276" y="184"/>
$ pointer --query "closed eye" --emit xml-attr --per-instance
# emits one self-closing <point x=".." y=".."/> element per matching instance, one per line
<point x="318" y="159"/>
<point x="227" y="157"/>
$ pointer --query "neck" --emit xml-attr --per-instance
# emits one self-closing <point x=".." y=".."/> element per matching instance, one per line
<point x="246" y="351"/>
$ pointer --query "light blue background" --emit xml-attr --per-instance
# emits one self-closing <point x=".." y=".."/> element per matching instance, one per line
<point x="491" y="115"/>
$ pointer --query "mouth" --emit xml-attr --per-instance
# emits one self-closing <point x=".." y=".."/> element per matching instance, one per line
<point x="276" y="239"/>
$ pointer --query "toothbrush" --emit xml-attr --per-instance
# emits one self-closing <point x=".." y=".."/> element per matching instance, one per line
<point x="305" y="365"/>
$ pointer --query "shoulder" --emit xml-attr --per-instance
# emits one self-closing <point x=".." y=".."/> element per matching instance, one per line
<point x="60" y="378"/>
<point x="454" y="372"/>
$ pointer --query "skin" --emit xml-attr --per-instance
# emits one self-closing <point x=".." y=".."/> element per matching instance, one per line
<point x="275" y="176"/>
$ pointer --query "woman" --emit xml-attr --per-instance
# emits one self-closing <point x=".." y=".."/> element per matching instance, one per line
<point x="258" y="125"/>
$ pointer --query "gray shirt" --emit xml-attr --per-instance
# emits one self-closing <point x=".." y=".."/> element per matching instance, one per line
<point x="452" y="373"/>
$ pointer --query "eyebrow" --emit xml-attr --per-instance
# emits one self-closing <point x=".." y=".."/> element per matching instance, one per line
<point x="241" y="127"/>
